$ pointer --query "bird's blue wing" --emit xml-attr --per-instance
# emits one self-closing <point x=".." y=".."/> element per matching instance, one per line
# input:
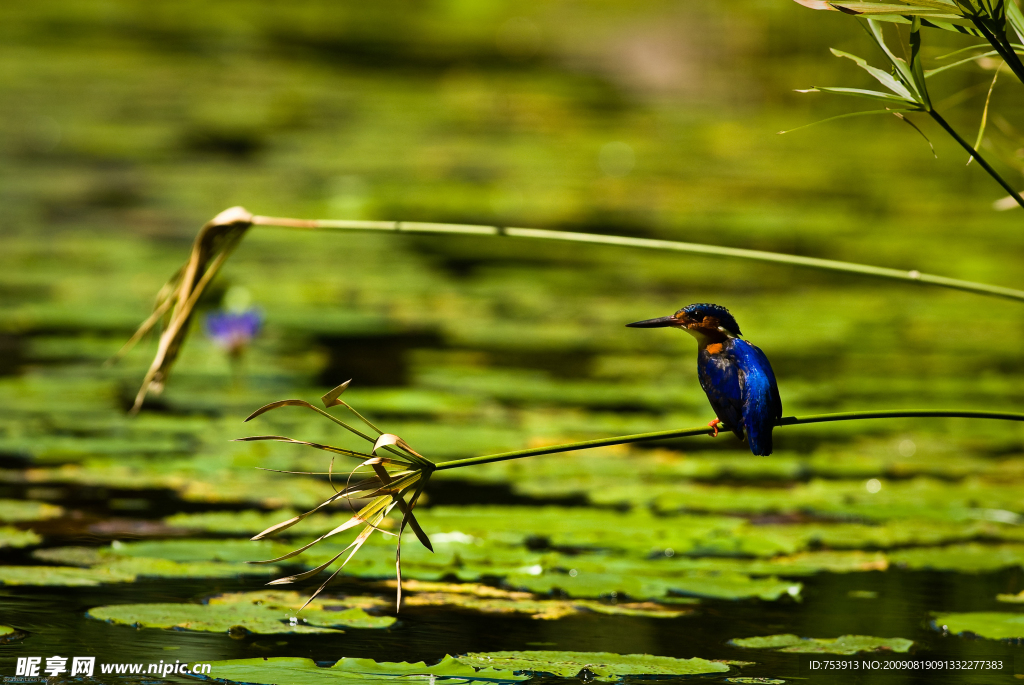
<point x="719" y="377"/>
<point x="773" y="387"/>
<point x="762" y="406"/>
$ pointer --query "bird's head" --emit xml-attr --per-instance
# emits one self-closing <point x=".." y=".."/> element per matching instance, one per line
<point x="708" y="323"/>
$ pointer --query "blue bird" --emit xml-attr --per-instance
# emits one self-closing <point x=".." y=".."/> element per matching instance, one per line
<point x="736" y="375"/>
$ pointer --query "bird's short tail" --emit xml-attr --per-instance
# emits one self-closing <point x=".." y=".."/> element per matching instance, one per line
<point x="760" y="441"/>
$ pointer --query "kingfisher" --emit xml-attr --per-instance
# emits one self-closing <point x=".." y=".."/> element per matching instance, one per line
<point x="735" y="374"/>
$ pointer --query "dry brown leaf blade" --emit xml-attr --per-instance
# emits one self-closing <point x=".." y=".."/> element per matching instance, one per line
<point x="362" y="485"/>
<point x="317" y="445"/>
<point x="385" y="440"/>
<point x="303" y="403"/>
<point x="367" y="512"/>
<point x="356" y="544"/>
<point x="275" y="405"/>
<point x="389" y="440"/>
<point x="211" y="248"/>
<point x="331" y="398"/>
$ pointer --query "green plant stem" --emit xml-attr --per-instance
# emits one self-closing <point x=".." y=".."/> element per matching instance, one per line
<point x="703" y="430"/>
<point x="912" y="276"/>
<point x="1005" y="51"/>
<point x="981" y="160"/>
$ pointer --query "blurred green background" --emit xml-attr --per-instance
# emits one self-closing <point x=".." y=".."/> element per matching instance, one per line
<point x="125" y="126"/>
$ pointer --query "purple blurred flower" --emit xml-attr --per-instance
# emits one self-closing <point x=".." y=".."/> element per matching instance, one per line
<point x="232" y="331"/>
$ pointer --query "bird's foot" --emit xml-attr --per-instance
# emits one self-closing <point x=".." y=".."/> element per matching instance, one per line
<point x="714" y="427"/>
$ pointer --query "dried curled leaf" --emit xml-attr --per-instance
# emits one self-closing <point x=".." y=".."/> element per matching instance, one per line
<point x="177" y="299"/>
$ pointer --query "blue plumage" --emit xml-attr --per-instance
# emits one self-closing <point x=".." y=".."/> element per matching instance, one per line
<point x="735" y="374"/>
<point x="741" y="387"/>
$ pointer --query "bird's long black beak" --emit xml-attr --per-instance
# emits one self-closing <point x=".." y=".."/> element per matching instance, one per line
<point x="660" y="322"/>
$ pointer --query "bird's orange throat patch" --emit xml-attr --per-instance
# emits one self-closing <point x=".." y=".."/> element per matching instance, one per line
<point x="714" y="348"/>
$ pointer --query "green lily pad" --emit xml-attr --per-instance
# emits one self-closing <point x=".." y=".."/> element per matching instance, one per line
<point x="709" y="584"/>
<point x="194" y="478"/>
<point x="488" y="666"/>
<point x="201" y="550"/>
<point x="72" y="556"/>
<point x="994" y="625"/>
<point x="236" y="522"/>
<point x="604" y="665"/>
<point x="488" y="599"/>
<point x="13" y="537"/>
<point x="13" y="510"/>
<point x="634" y="532"/>
<point x="166" y="568"/>
<point x="297" y="671"/>
<point x="846" y="644"/>
<point x="969" y="558"/>
<point x="106" y="559"/>
<point x="6" y="630"/>
<point x="60" y="575"/>
<point x="261" y="612"/>
<point x="542" y="609"/>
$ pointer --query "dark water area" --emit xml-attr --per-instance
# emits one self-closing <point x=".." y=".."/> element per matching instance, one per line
<point x="55" y="623"/>
<point x="895" y="602"/>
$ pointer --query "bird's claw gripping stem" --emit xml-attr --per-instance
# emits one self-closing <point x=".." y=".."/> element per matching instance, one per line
<point x="714" y="427"/>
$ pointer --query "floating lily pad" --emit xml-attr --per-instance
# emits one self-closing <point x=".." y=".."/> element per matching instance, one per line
<point x="6" y="630"/>
<point x="846" y="644"/>
<point x="809" y="563"/>
<point x="297" y="671"/>
<point x="13" y="537"/>
<point x="492" y="666"/>
<point x="709" y="584"/>
<point x="755" y="681"/>
<point x="922" y="498"/>
<point x="543" y="609"/>
<point x="488" y="599"/>
<point x="109" y="560"/>
<point x="13" y="510"/>
<point x="970" y="558"/>
<point x="193" y="478"/>
<point x="201" y="550"/>
<point x="60" y="575"/>
<point x="994" y="625"/>
<point x="263" y="613"/>
<point x="603" y="665"/>
<point x="166" y="568"/>
<point x="235" y="522"/>
<point x="637" y="531"/>
<point x="72" y="556"/>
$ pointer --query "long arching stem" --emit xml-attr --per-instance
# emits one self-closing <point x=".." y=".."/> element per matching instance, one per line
<point x="912" y="276"/>
<point x="703" y="430"/>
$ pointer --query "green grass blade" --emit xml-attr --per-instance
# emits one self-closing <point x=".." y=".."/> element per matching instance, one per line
<point x="875" y="95"/>
<point x="984" y="112"/>
<point x="882" y="77"/>
<point x="844" y="116"/>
